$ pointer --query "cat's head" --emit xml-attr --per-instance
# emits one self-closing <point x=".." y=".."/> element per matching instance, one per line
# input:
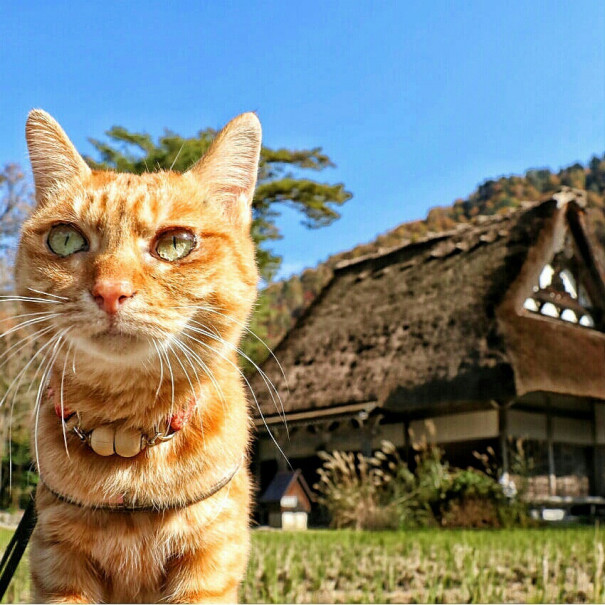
<point x="127" y="263"/>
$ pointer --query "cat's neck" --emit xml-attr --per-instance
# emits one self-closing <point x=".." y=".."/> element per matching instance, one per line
<point x="133" y="400"/>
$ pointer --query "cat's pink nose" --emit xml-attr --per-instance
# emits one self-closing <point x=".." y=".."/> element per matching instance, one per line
<point x="110" y="295"/>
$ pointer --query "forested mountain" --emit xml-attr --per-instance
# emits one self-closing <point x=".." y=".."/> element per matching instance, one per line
<point x="281" y="303"/>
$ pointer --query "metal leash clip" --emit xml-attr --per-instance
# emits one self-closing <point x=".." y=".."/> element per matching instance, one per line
<point x="159" y="437"/>
<point x="77" y="429"/>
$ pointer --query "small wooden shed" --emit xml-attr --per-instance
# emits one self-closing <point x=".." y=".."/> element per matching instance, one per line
<point x="287" y="501"/>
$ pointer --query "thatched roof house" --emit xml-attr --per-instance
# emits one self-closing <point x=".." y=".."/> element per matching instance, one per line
<point x="494" y="329"/>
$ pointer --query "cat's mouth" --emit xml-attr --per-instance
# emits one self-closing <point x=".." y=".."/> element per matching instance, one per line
<point x="115" y="327"/>
<point x="114" y="336"/>
<point x="114" y="331"/>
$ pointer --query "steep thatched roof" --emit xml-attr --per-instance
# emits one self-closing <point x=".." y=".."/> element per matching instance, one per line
<point x="417" y="324"/>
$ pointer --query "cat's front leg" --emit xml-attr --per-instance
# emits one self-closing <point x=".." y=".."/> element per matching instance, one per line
<point x="211" y="575"/>
<point x="61" y="575"/>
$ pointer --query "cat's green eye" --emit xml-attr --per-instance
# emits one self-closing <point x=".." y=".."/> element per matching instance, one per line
<point x="174" y="244"/>
<point x="65" y="240"/>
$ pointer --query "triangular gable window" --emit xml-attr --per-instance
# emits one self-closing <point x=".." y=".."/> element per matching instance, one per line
<point x="561" y="291"/>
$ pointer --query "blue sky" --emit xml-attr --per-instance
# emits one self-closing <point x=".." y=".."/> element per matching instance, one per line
<point x="415" y="102"/>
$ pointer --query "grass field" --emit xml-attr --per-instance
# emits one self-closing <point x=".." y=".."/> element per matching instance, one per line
<point x="563" y="565"/>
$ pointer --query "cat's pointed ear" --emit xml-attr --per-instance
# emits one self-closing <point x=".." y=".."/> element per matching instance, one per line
<point x="53" y="157"/>
<point x="229" y="168"/>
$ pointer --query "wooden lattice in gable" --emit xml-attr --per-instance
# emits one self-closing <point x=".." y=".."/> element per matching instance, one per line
<point x="561" y="291"/>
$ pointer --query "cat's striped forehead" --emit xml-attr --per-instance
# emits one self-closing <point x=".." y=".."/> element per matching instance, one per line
<point x="117" y="204"/>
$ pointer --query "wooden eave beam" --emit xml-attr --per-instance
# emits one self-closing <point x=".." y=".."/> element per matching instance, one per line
<point x="343" y="411"/>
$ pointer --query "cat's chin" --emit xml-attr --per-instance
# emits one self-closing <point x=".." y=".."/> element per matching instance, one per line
<point x="114" y="348"/>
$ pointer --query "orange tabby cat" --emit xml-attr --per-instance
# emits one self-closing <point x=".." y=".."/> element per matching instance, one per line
<point x="142" y="285"/>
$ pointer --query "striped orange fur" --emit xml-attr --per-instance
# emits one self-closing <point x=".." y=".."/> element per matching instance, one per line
<point x="175" y="334"/>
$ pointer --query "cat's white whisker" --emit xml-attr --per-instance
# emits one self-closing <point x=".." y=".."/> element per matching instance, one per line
<point x="179" y="344"/>
<point x="29" y="322"/>
<point x="270" y="386"/>
<point x="11" y="317"/>
<point x="182" y="367"/>
<point x="157" y="392"/>
<point x="248" y="331"/>
<point x="22" y="343"/>
<point x="213" y="333"/>
<point x="188" y="380"/>
<point x="168" y="338"/>
<point x="23" y="340"/>
<point x="14" y="387"/>
<point x="48" y="294"/>
<point x="45" y="374"/>
<point x="217" y="352"/>
<point x="15" y="298"/>
<point x="62" y="401"/>
<point x="206" y="371"/>
<point x="33" y="380"/>
<point x="73" y="363"/>
<point x="17" y="380"/>
<point x="211" y="376"/>
<point x="203" y="329"/>
<point x="171" y="387"/>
